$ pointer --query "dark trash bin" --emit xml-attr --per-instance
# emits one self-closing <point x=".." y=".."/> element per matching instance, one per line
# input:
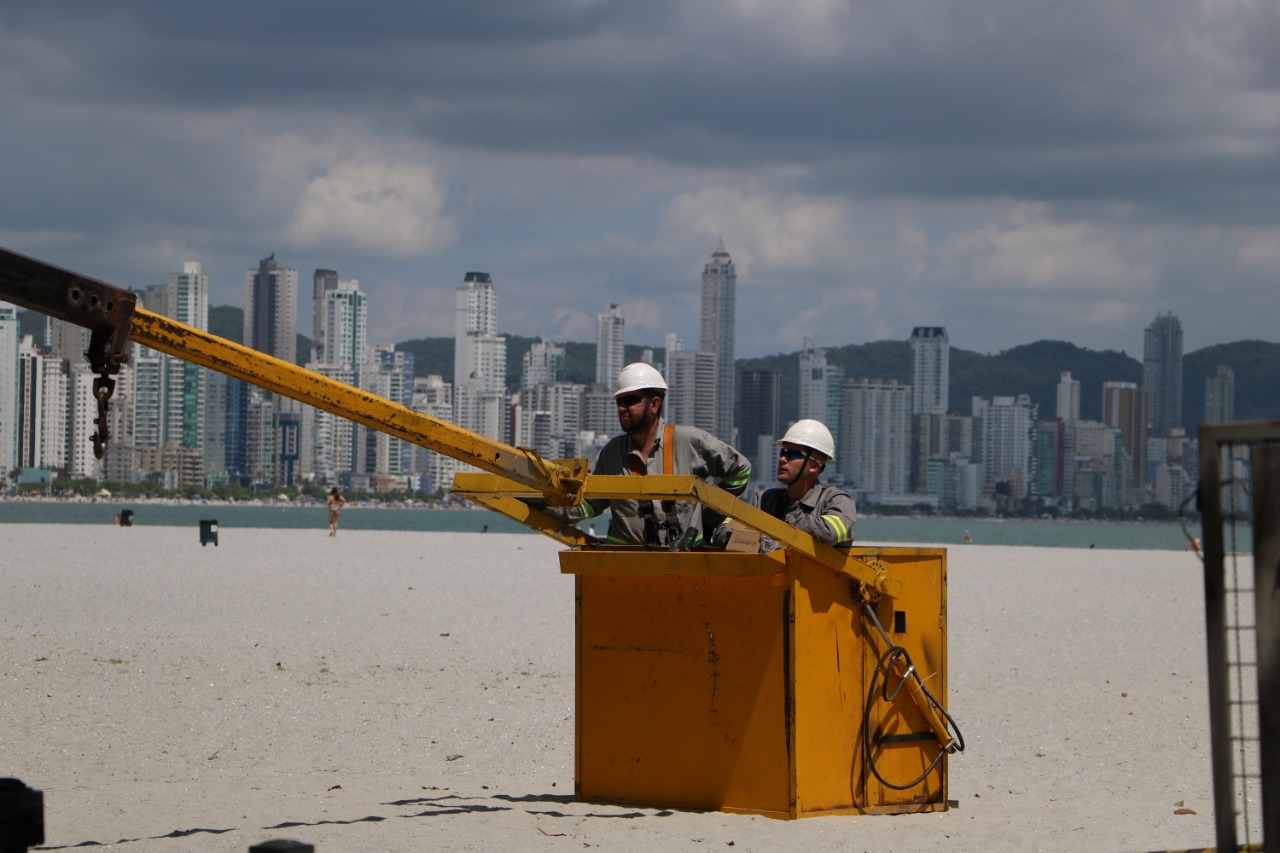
<point x="208" y="532"/>
<point x="126" y="518"/>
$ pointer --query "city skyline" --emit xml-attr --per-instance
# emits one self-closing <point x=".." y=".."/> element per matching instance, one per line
<point x="1010" y="171"/>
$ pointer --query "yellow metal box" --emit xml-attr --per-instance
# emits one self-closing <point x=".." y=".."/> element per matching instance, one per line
<point x="756" y="683"/>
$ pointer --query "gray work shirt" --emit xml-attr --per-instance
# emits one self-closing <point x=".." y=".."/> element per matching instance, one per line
<point x="825" y="512"/>
<point x="694" y="451"/>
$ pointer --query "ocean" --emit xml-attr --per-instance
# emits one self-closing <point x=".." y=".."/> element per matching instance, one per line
<point x="870" y="530"/>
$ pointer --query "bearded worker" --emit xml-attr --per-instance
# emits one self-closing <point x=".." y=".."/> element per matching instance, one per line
<point x="650" y="445"/>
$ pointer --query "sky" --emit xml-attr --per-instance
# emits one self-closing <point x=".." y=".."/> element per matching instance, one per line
<point x="1013" y="170"/>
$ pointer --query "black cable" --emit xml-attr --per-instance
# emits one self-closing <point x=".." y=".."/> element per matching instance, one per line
<point x="885" y="664"/>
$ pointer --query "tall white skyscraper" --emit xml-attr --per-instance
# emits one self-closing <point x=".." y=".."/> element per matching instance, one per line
<point x="1068" y="398"/>
<point x="330" y="444"/>
<point x="30" y="404"/>
<point x="8" y="389"/>
<point x="719" y="314"/>
<point x="822" y="395"/>
<point x="480" y="360"/>
<point x="83" y="408"/>
<point x="877" y="436"/>
<point x="930" y="370"/>
<point x="186" y="299"/>
<point x="343" y="324"/>
<point x="686" y="373"/>
<point x="1007" y="443"/>
<point x="610" y="346"/>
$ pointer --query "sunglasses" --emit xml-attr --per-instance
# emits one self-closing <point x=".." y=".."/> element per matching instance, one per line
<point x="629" y="400"/>
<point x="791" y="454"/>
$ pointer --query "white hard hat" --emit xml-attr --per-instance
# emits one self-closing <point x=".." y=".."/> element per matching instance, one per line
<point x="639" y="377"/>
<point x="811" y="434"/>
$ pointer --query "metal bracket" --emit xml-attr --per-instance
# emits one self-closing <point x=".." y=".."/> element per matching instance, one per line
<point x="105" y="310"/>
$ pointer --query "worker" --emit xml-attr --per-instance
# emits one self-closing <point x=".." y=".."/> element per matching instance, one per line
<point x="826" y="512"/>
<point x="650" y="445"/>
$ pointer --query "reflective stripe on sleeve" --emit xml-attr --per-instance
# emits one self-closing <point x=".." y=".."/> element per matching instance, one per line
<point x="838" y="525"/>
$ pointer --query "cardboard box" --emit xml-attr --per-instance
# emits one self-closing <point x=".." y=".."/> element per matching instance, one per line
<point x="743" y="539"/>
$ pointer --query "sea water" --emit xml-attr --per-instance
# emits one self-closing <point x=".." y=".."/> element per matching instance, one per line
<point x="869" y="530"/>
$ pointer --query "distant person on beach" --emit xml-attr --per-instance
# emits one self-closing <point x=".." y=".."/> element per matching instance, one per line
<point x="825" y="512"/>
<point x="335" y="502"/>
<point x="650" y="445"/>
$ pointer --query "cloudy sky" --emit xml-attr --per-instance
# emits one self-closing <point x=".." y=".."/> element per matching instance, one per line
<point x="1010" y="169"/>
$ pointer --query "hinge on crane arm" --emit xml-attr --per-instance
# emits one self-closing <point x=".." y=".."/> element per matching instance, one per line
<point x="106" y="311"/>
<point x="109" y="314"/>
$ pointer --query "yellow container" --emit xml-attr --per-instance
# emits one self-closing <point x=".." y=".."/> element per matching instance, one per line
<point x="743" y="682"/>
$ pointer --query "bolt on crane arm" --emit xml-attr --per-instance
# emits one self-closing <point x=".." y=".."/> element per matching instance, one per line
<point x="113" y="318"/>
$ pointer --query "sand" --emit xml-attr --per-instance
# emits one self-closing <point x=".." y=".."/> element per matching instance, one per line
<point x="384" y="691"/>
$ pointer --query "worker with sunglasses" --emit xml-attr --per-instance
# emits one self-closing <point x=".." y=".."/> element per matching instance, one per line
<point x="825" y="512"/>
<point x="650" y="445"/>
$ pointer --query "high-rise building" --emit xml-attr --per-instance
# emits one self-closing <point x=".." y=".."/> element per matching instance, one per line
<point x="186" y="299"/>
<point x="1068" y="398"/>
<point x="1162" y="373"/>
<point x="930" y="370"/>
<point x="611" y="356"/>
<point x="719" y="313"/>
<point x="937" y="436"/>
<point x="822" y="395"/>
<point x="271" y="326"/>
<point x="876" y="438"/>
<point x="30" y="405"/>
<point x="82" y="410"/>
<point x="1008" y="427"/>
<point x="1125" y="407"/>
<point x="542" y="364"/>
<point x="480" y="360"/>
<point x="9" y="334"/>
<point x="761" y="396"/>
<point x="340" y="322"/>
<point x="270" y="309"/>
<point x="1094" y="471"/>
<point x="389" y="374"/>
<point x="688" y="376"/>
<point x="322" y="282"/>
<point x="1220" y="396"/>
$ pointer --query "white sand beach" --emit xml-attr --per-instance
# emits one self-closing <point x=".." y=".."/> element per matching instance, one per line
<point x="384" y="691"/>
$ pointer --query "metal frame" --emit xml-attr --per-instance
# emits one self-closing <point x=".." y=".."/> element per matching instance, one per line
<point x="1228" y="705"/>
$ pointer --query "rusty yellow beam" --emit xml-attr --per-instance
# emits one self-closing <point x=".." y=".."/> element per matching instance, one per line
<point x="560" y="481"/>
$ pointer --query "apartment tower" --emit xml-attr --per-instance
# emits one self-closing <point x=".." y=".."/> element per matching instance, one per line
<point x="1162" y="373"/>
<point x="719" y="313"/>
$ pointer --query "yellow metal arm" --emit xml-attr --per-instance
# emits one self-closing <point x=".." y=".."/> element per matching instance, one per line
<point x="560" y="482"/>
<point x="111" y="314"/>
<point x="497" y="493"/>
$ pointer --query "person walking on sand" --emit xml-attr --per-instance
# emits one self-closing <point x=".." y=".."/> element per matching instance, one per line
<point x="335" y="502"/>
